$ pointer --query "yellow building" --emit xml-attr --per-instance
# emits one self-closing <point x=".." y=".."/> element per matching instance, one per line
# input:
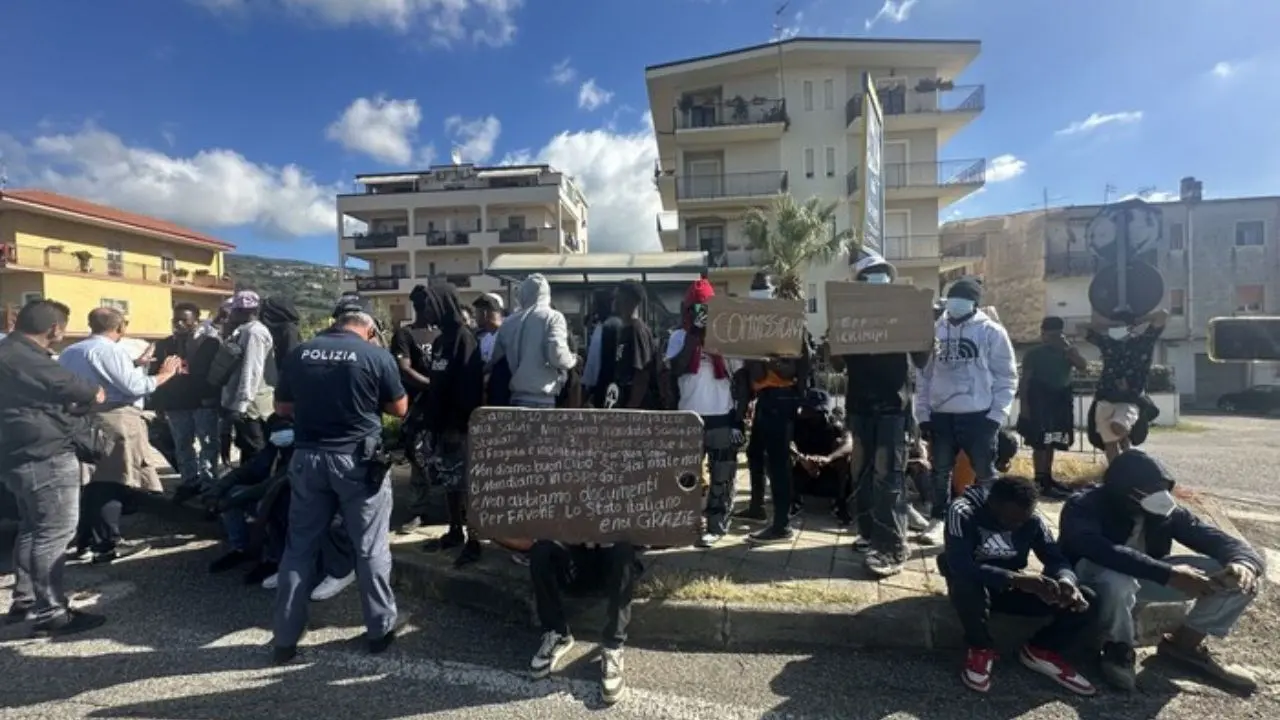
<point x="88" y="256"/>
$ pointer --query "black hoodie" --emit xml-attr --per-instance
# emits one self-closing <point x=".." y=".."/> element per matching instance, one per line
<point x="980" y="550"/>
<point x="456" y="369"/>
<point x="281" y="318"/>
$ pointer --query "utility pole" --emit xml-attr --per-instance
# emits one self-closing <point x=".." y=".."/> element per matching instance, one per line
<point x="777" y="33"/>
<point x="1106" y="193"/>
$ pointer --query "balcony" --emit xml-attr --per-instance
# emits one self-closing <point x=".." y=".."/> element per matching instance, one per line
<point x="445" y="238"/>
<point x="734" y="120"/>
<point x="909" y="248"/>
<point x="948" y="180"/>
<point x="718" y="258"/>
<point x="726" y="189"/>
<point x="507" y="236"/>
<point x="947" y="110"/>
<point x="375" y="241"/>
<point x="23" y="258"/>
<point x="1069" y="264"/>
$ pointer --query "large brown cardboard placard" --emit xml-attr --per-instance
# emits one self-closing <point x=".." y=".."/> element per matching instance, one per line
<point x="754" y="327"/>
<point x="585" y="475"/>
<point x="863" y="319"/>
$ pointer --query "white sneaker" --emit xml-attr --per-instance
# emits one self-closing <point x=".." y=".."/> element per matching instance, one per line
<point x="915" y="521"/>
<point x="272" y="582"/>
<point x="331" y="586"/>
<point x="932" y="533"/>
<point x="709" y="540"/>
<point x="554" y="646"/>
<point x="612" y="686"/>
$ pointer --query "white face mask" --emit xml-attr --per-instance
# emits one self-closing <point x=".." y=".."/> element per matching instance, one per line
<point x="762" y="294"/>
<point x="960" y="307"/>
<point x="877" y="278"/>
<point x="1160" y="504"/>
<point x="282" y="438"/>
<point x="1118" y="333"/>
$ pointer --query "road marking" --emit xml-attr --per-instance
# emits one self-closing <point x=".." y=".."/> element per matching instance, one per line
<point x="558" y="691"/>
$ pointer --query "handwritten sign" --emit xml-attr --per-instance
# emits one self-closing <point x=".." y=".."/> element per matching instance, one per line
<point x="754" y="327"/>
<point x="585" y="475"/>
<point x="865" y="319"/>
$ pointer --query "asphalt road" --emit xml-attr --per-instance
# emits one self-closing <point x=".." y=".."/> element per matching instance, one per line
<point x="184" y="644"/>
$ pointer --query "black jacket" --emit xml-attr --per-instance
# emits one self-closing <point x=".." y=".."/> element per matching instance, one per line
<point x="880" y="383"/>
<point x="37" y="396"/>
<point x="1096" y="525"/>
<point x="192" y="389"/>
<point x="281" y="318"/>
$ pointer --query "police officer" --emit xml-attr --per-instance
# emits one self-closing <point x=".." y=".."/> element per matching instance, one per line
<point x="339" y="466"/>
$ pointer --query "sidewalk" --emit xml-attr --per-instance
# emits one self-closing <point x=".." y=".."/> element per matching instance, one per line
<point x="812" y="592"/>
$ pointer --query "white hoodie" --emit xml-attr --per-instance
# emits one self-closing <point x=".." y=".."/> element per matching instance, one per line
<point x="972" y="370"/>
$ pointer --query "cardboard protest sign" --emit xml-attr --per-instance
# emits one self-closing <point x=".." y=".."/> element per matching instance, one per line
<point x="754" y="327"/>
<point x="865" y="319"/>
<point x="585" y="475"/>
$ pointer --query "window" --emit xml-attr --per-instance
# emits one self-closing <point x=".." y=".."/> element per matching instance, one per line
<point x="431" y="269"/>
<point x="114" y="304"/>
<point x="808" y="94"/>
<point x="399" y="270"/>
<point x="1250" y="233"/>
<point x="115" y="260"/>
<point x="831" y="161"/>
<point x="1178" y="302"/>
<point x="812" y="298"/>
<point x="808" y="162"/>
<point x="30" y="297"/>
<point x="1249" y="298"/>
<point x="828" y="94"/>
<point x="168" y="264"/>
<point x="1177" y="239"/>
<point x="711" y="241"/>
<point x="515" y="222"/>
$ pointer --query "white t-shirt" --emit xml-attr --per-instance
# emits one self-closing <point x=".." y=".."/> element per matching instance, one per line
<point x="703" y="393"/>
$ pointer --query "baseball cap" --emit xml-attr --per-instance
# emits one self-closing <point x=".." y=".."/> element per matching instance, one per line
<point x="245" y="300"/>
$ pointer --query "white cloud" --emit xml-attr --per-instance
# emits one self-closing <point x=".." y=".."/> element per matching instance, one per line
<point x="444" y="22"/>
<point x="892" y="11"/>
<point x="214" y="189"/>
<point x="475" y="138"/>
<point x="592" y="96"/>
<point x="786" y="32"/>
<point x="383" y="129"/>
<point x="1097" y="120"/>
<point x="1224" y="70"/>
<point x="615" y="172"/>
<point x="563" y="73"/>
<point x="1153" y="196"/>
<point x="1005" y="167"/>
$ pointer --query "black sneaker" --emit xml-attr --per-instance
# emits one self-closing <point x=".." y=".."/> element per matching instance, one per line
<point x="554" y="646"/>
<point x="772" y="536"/>
<point x="1051" y="489"/>
<point x="470" y="554"/>
<point x="1118" y="666"/>
<point x="122" y="551"/>
<point x="76" y="553"/>
<point x="752" y="513"/>
<point x="448" y="541"/>
<point x="382" y="644"/>
<point x="17" y="613"/>
<point x="230" y="561"/>
<point x="260" y="572"/>
<point x="68" y="623"/>
<point x="185" y="493"/>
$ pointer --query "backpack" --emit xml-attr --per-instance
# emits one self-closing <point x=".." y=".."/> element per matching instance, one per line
<point x="225" y="363"/>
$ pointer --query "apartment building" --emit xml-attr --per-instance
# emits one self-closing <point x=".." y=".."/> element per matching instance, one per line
<point x="449" y="222"/>
<point x="738" y="128"/>
<point x="1219" y="258"/>
<point x="88" y="256"/>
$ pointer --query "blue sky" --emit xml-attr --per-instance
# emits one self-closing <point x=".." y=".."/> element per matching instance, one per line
<point x="244" y="118"/>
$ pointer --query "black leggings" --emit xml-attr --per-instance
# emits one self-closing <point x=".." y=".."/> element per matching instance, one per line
<point x="101" y="505"/>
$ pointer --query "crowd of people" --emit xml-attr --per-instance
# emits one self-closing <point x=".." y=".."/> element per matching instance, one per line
<point x="308" y="506"/>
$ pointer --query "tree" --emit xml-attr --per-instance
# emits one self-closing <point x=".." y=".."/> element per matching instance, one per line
<point x="790" y="236"/>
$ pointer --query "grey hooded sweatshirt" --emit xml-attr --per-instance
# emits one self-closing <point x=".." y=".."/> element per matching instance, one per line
<point x="535" y="344"/>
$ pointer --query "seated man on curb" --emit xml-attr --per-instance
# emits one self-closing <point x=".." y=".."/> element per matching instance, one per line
<point x="583" y="570"/>
<point x="989" y="533"/>
<point x="822" y="457"/>
<point x="1120" y="534"/>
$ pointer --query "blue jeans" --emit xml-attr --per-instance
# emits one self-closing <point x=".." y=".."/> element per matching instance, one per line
<point x="192" y="428"/>
<point x="48" y="498"/>
<point x="973" y="433"/>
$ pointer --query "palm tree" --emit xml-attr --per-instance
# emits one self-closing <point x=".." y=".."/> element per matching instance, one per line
<point x="792" y="235"/>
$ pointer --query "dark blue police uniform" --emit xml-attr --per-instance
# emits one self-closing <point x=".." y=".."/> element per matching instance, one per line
<point x="338" y="384"/>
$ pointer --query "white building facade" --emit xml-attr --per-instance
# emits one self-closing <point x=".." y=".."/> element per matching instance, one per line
<point x="734" y="130"/>
<point x="449" y="222"/>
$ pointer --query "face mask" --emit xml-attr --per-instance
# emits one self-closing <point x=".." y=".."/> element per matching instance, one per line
<point x="1160" y="504"/>
<point x="960" y="307"/>
<point x="282" y="438"/>
<point x="762" y="294"/>
<point x="1118" y="333"/>
<point x="876" y="279"/>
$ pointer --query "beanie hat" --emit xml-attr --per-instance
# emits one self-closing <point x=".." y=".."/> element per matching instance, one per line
<point x="966" y="288"/>
<point x="699" y="293"/>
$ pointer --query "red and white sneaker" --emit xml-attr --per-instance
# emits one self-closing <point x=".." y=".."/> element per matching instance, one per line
<point x="1051" y="664"/>
<point x="976" y="674"/>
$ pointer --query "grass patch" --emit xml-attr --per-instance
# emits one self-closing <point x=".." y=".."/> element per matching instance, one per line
<point x="1068" y="468"/>
<point x="1182" y="426"/>
<point x="702" y="586"/>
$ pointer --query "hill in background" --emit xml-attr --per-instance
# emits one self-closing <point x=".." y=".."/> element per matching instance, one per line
<point x="312" y="287"/>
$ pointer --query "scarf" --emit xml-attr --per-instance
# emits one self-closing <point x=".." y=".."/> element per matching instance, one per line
<point x="699" y="293"/>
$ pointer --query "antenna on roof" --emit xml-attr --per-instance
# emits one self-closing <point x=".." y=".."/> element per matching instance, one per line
<point x="456" y="155"/>
<point x="4" y="175"/>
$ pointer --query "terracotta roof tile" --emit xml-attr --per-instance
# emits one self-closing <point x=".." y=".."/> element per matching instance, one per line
<point x="102" y="212"/>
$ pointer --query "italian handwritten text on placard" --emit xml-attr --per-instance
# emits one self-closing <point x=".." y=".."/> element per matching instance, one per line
<point x="864" y="319"/>
<point x="755" y="328"/>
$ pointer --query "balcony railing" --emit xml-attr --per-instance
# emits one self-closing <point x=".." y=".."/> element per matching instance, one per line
<point x="1069" y="264"/>
<point x="719" y="257"/>
<point x="910" y="247"/>
<point x="729" y="185"/>
<point x="965" y="247"/>
<point x="903" y="101"/>
<point x="377" y="282"/>
<point x="445" y="238"/>
<point x="518" y="235"/>
<point x="949" y="173"/>
<point x="730" y="113"/>
<point x="376" y="241"/>
<point x="56" y="259"/>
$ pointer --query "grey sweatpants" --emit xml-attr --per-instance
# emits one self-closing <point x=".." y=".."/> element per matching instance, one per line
<point x="321" y="484"/>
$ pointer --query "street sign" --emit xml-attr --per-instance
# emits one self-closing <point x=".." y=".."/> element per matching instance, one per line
<point x="1125" y="286"/>
<point x="872" y="225"/>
